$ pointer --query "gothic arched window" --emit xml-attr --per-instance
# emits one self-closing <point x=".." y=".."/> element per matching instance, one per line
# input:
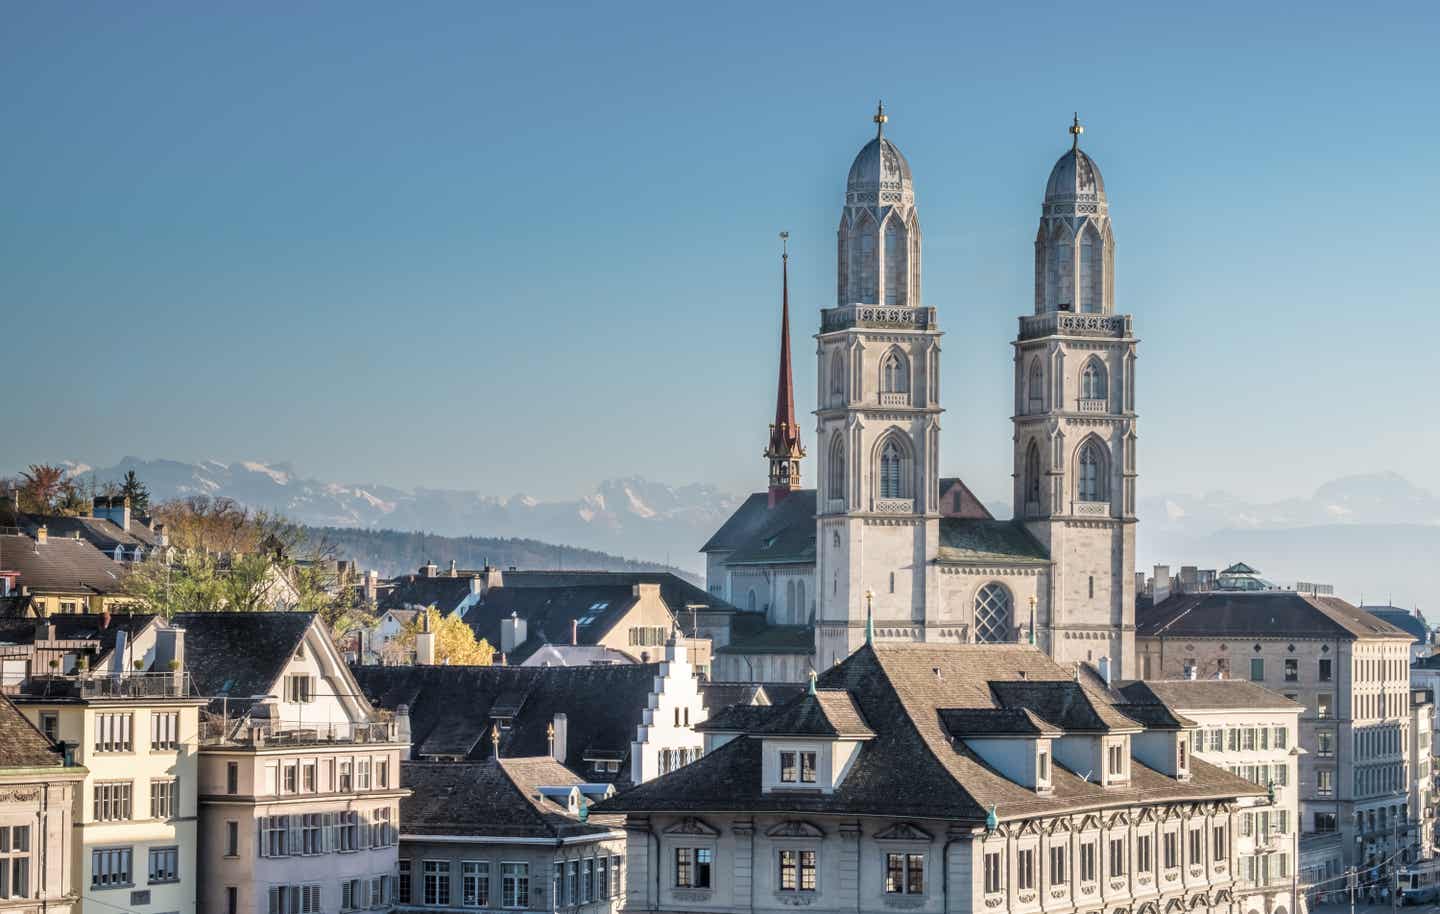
<point x="790" y="598"/>
<point x="837" y="377"/>
<point x="842" y="279"/>
<point x="863" y="264"/>
<point x="1091" y="271"/>
<point x="750" y="600"/>
<point x="1092" y="381"/>
<point x="895" y="263"/>
<point x="835" y="481"/>
<point x="891" y="462"/>
<point x="1036" y="386"/>
<point x="1091" y="481"/>
<point x="1032" y="479"/>
<point x="992" y="614"/>
<point x="802" y="611"/>
<point x="894" y="373"/>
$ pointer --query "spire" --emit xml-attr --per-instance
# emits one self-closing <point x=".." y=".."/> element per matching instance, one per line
<point x="880" y="118"/>
<point x="785" y="450"/>
<point x="1075" y="130"/>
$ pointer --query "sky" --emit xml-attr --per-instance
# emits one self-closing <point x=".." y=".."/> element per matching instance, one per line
<point x="527" y="247"/>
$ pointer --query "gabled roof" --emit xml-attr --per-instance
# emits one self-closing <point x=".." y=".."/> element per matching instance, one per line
<point x="79" y="627"/>
<point x="456" y="706"/>
<point x="677" y="593"/>
<point x="785" y="535"/>
<point x="490" y="799"/>
<point x="100" y="532"/>
<point x="741" y="525"/>
<point x="989" y="541"/>
<point x="413" y="591"/>
<point x="1068" y="705"/>
<point x="62" y="565"/>
<point x="956" y="500"/>
<point x="240" y="656"/>
<point x="1275" y="613"/>
<point x="1206" y="695"/>
<point x="550" y="614"/>
<point x="21" y="744"/>
<point x="913" y="767"/>
<point x="830" y="713"/>
<point x="981" y="722"/>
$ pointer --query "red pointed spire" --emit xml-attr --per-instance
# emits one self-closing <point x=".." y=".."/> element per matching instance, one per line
<point x="785" y="450"/>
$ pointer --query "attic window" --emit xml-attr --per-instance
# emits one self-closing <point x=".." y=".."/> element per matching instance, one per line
<point x="769" y="541"/>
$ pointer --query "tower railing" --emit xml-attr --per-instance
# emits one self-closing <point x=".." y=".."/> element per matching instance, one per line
<point x="1117" y="326"/>
<point x="877" y="316"/>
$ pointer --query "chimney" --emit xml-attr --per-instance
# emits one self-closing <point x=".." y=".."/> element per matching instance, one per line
<point x="425" y="643"/>
<point x="558" y="742"/>
<point x="429" y="570"/>
<point x="1162" y="582"/>
<point x="491" y="578"/>
<point x="161" y="537"/>
<point x="1139" y="582"/>
<point x="115" y="510"/>
<point x="170" y="646"/>
<point x="477" y="585"/>
<point x="42" y="535"/>
<point x="117" y="657"/>
<point x="402" y="726"/>
<point x="44" y="631"/>
<point x="452" y="573"/>
<point x="1105" y="669"/>
<point x="372" y="586"/>
<point x="513" y="632"/>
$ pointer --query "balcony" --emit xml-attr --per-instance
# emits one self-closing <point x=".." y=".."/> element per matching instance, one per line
<point x="880" y="317"/>
<point x="1068" y="323"/>
<point x="1093" y="406"/>
<point x="99" y="686"/>
<point x="895" y="398"/>
<point x="834" y="506"/>
<point x="894" y="506"/>
<point x="260" y="734"/>
<point x="1090" y="509"/>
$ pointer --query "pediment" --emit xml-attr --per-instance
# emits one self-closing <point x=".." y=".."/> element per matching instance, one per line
<point x="692" y="826"/>
<point x="795" y="828"/>
<point x="902" y="831"/>
<point x="1147" y="815"/>
<point x="1174" y="904"/>
<point x="1119" y="818"/>
<point x="1058" y="826"/>
<point x="1198" y="901"/>
<point x="1090" y="822"/>
<point x="1028" y="827"/>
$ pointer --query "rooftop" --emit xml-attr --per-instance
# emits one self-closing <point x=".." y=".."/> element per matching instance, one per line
<point x="1275" y="613"/>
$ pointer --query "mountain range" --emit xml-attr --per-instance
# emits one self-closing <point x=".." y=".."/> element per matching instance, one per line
<point x="1375" y="536"/>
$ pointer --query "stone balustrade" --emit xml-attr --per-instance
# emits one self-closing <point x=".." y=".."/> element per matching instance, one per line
<point x="1068" y="323"/>
<point x="880" y="317"/>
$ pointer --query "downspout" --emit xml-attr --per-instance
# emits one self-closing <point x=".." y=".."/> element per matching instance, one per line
<point x="44" y="817"/>
<point x="945" y="872"/>
<point x="752" y="866"/>
<point x="650" y="830"/>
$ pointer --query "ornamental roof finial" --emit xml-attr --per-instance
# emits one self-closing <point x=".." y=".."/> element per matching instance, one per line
<point x="880" y="118"/>
<point x="1075" y="130"/>
<point x="811" y="689"/>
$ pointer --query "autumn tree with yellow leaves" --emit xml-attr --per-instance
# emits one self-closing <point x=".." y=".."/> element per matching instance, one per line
<point x="455" y="642"/>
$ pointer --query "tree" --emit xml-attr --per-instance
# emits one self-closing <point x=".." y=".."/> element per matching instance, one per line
<point x="139" y="494"/>
<point x="455" y="642"/>
<point x="47" y="489"/>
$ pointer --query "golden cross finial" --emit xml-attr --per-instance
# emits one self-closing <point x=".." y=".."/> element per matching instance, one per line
<point x="1075" y="130"/>
<point x="880" y="118"/>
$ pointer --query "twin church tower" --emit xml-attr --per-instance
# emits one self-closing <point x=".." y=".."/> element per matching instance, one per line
<point x="897" y="545"/>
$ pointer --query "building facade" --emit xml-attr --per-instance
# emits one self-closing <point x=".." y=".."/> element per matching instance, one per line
<point x="39" y="789"/>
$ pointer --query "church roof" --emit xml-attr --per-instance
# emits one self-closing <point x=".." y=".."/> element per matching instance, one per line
<point x="750" y="633"/>
<point x="786" y="535"/>
<point x="1074" y="175"/>
<point x="741" y="525"/>
<point x="878" y="162"/>
<point x="964" y="539"/>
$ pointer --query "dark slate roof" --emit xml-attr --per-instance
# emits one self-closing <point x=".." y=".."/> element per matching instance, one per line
<point x="1205" y="694"/>
<point x="100" y="532"/>
<point x="62" y="565"/>
<point x="416" y="590"/>
<point x="972" y="722"/>
<point x="78" y="627"/>
<point x="718" y="695"/>
<point x="455" y="706"/>
<point x="786" y="535"/>
<point x="549" y="613"/>
<point x="1068" y="705"/>
<point x="967" y="540"/>
<point x="750" y="633"/>
<point x="1275" y="613"/>
<point x="741" y="525"/>
<point x="238" y="656"/>
<point x="675" y="591"/>
<point x="956" y="500"/>
<point x="828" y="712"/>
<point x="1403" y="619"/>
<point x="737" y="718"/>
<point x="489" y="799"/>
<point x="21" y="744"/>
<point x="913" y="768"/>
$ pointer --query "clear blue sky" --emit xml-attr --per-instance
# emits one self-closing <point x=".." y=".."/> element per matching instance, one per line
<point x="525" y="249"/>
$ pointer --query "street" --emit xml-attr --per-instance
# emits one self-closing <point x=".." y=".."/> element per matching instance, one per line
<point x="1376" y="908"/>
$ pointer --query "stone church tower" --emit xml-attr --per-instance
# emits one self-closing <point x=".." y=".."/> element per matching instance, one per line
<point x="1075" y="423"/>
<point x="878" y="414"/>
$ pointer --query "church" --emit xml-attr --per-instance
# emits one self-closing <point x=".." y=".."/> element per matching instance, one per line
<point x="884" y="543"/>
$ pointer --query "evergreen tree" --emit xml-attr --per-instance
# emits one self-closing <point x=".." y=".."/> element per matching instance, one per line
<point x="139" y="494"/>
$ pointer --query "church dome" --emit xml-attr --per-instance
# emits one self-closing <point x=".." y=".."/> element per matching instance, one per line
<point x="1075" y="175"/>
<point x="879" y="163"/>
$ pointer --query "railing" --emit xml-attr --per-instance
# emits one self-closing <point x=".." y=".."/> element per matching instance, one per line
<point x="105" y="685"/>
<point x="258" y="734"/>
<point x="878" y="316"/>
<point x="894" y="506"/>
<point x="895" y="399"/>
<point x="1091" y="508"/>
<point x="1069" y="323"/>
<point x="1094" y="406"/>
<point x="834" y="506"/>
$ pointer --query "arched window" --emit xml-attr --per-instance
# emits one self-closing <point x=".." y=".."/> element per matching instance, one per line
<point x="1092" y="381"/>
<point x="1091" y="482"/>
<point x="894" y="373"/>
<point x="1091" y="271"/>
<point x="1032" y="479"/>
<point x="837" y="377"/>
<point x="863" y="261"/>
<point x="790" y="598"/>
<point x="992" y="614"/>
<point x="891" y="461"/>
<point x="895" y="263"/>
<point x="835" y="481"/>
<point x="802" y="609"/>
<point x="750" y="600"/>
<point x="1065" y="263"/>
<point x="842" y="279"/>
<point x="1036" y="386"/>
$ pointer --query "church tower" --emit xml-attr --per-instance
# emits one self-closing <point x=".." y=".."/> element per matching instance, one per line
<point x="784" y="450"/>
<point x="878" y="416"/>
<point x="1075" y="423"/>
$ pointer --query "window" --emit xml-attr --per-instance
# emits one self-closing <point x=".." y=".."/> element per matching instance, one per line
<point x="587" y="879"/>
<point x="992" y="614"/>
<point x="347" y="779"/>
<point x="807" y="767"/>
<point x="50" y="726"/>
<point x="1172" y="850"/>
<point x="275" y="836"/>
<point x="602" y="877"/>
<point x="299" y="688"/>
<point x="290" y="777"/>
<point x="1217" y="740"/>
<point x="994" y="873"/>
<point x="837" y="376"/>
<point x="1092" y="464"/>
<point x="232" y="838"/>
<point x="1181" y="761"/>
<point x="164" y="864"/>
<point x="1058" y="872"/>
<point x="1116" y="755"/>
<point x="1257" y="669"/>
<point x="294" y="899"/>
<point x="1325" y="782"/>
<point x="112" y="732"/>
<point x="110" y="867"/>
<point x="1281" y="738"/>
<point x="787" y="767"/>
<point x="895" y="270"/>
<point x="1197" y="847"/>
<point x="1025" y="869"/>
<point x="904" y="874"/>
<point x="402" y="881"/>
<point x="1036" y="385"/>
<point x="232" y="778"/>
<point x="1043" y="766"/>
<point x="1117" y="857"/>
<point x="692" y="867"/>
<point x="437" y="882"/>
<point x="347" y="834"/>
<point x="1325" y="822"/>
<point x="1087" y="862"/>
<point x="362" y="774"/>
<point x="1292" y="670"/>
<point x="894" y="373"/>
<point x="835" y="466"/>
<point x="797" y="871"/>
<point x="1144" y="862"/>
<point x="353" y="894"/>
<point x="1324" y="671"/>
<point x="164" y="729"/>
<point x="164" y="795"/>
<point x="112" y="801"/>
<point x="515" y="885"/>
<point x="307" y="777"/>
<point x="890" y="459"/>
<point x="1322" y="704"/>
<point x="1092" y="381"/>
<point x="1220" y="847"/>
<point x="572" y="885"/>
<point x="381" y="833"/>
<point x="314" y="826"/>
<point x="1032" y="479"/>
<point x="232" y="899"/>
<point x="15" y="861"/>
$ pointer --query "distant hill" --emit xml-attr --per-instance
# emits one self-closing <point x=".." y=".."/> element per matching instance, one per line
<point x="394" y="552"/>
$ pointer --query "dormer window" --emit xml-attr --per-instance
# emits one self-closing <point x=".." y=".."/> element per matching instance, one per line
<point x="797" y="767"/>
<point x="1042" y="767"/>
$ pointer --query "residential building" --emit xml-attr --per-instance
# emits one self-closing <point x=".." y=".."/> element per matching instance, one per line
<point x="1425" y="674"/>
<point x="40" y="784"/>
<point x="507" y="833"/>
<point x="1254" y="733"/>
<point x="1350" y="672"/>
<point x="1421" y="772"/>
<point x="941" y="778"/>
<point x="111" y="527"/>
<point x="620" y="724"/>
<point x="43" y="575"/>
<point x="131" y="718"/>
<point x="299" y="775"/>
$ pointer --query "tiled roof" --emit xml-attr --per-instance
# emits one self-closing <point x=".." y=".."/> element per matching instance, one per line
<point x="413" y="591"/>
<point x="913" y="767"/>
<point x="1206" y="695"/>
<point x="1068" y="705"/>
<point x="1403" y="619"/>
<point x="549" y="614"/>
<point x="454" y="706"/>
<point x="717" y="695"/>
<point x="971" y="722"/>
<point x="21" y="745"/>
<point x="61" y="566"/>
<point x="1271" y="613"/>
<point x="750" y="633"/>
<point x="828" y="712"/>
<point x="486" y="799"/>
<point x="100" y="532"/>
<point x="785" y="536"/>
<point x="969" y="540"/>
<point x="239" y="656"/>
<point x="677" y="592"/>
<point x="737" y="718"/>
